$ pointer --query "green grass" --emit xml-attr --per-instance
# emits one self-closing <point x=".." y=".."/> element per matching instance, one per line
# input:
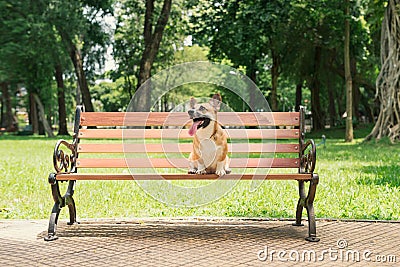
<point x="357" y="180"/>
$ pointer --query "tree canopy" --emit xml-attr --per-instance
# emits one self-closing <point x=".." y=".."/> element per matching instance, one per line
<point x="292" y="50"/>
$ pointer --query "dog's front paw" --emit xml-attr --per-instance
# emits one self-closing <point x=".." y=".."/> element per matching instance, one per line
<point x="201" y="171"/>
<point x="192" y="171"/>
<point x="228" y="171"/>
<point x="220" y="172"/>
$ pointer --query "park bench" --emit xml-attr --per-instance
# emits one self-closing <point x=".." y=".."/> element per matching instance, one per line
<point x="287" y="128"/>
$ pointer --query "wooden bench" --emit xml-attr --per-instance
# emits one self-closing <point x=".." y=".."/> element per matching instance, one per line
<point x="297" y="163"/>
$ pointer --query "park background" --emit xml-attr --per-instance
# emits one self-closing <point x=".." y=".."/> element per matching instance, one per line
<point x="339" y="59"/>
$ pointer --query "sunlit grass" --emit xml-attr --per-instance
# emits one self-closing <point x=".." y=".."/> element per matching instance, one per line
<point x="357" y="180"/>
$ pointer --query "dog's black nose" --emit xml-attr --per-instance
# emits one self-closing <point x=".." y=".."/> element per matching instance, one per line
<point x="191" y="112"/>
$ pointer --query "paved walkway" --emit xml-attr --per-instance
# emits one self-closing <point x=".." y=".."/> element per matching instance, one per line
<point x="199" y="242"/>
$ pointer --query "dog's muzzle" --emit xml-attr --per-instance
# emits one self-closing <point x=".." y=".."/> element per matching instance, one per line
<point x="198" y="121"/>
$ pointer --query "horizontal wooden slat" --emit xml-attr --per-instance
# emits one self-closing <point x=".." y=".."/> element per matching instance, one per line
<point x="185" y="148"/>
<point x="273" y="176"/>
<point x="182" y="163"/>
<point x="183" y="133"/>
<point x="182" y="118"/>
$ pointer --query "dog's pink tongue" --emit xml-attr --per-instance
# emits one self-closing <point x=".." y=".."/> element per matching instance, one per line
<point x="193" y="129"/>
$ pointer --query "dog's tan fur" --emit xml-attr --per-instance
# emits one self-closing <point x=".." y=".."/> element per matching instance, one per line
<point x="210" y="147"/>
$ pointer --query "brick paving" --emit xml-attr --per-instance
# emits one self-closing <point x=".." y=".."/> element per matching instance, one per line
<point x="199" y="242"/>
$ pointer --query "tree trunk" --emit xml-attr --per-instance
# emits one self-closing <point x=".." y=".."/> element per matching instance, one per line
<point x="76" y="58"/>
<point x="349" y="90"/>
<point x="4" y="93"/>
<point x="62" y="112"/>
<point x="2" y="113"/>
<point x="152" y="40"/>
<point x="299" y="95"/>
<point x="387" y="83"/>
<point x="8" y="120"/>
<point x="42" y="130"/>
<point x="33" y="114"/>
<point x="42" y="116"/>
<point x="252" y="74"/>
<point x="318" y="120"/>
<point x="80" y="73"/>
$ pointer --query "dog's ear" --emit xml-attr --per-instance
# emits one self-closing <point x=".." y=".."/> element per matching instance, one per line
<point x="192" y="102"/>
<point x="215" y="101"/>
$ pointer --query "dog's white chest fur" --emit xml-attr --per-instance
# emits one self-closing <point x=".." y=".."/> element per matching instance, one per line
<point x="208" y="152"/>
<point x="208" y="148"/>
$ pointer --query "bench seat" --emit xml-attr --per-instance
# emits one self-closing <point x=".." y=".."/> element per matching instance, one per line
<point x="178" y="176"/>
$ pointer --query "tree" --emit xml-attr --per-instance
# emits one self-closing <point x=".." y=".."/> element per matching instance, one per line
<point x="24" y="53"/>
<point x="34" y="49"/>
<point x="7" y="119"/>
<point x="130" y="46"/>
<point x="317" y="31"/>
<point x="81" y="34"/>
<point x="349" y="89"/>
<point x="12" y="28"/>
<point x="248" y="33"/>
<point x="387" y="83"/>
<point x="152" y="35"/>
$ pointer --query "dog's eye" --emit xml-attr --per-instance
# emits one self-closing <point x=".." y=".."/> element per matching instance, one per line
<point x="202" y="108"/>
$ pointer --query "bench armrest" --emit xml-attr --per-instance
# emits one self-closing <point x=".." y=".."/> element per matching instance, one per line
<point x="64" y="162"/>
<point x="308" y="157"/>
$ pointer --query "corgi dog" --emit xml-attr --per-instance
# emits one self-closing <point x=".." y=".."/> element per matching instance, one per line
<point x="210" y="147"/>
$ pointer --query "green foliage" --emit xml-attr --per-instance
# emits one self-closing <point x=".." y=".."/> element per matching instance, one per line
<point x="251" y="35"/>
<point x="183" y="93"/>
<point x="24" y="50"/>
<point x="36" y="38"/>
<point x="110" y="96"/>
<point x="129" y="43"/>
<point x="86" y="29"/>
<point x="260" y="35"/>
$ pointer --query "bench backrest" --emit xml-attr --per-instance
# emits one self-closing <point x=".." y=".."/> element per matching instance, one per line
<point x="144" y="138"/>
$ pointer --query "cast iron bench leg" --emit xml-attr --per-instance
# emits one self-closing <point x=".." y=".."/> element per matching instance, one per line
<point x="59" y="203"/>
<point x="312" y="228"/>
<point x="308" y="203"/>
<point x="51" y="232"/>
<point x="71" y="203"/>
<point x="300" y="204"/>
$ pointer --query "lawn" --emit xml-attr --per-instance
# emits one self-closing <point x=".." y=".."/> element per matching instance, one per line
<point x="357" y="180"/>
